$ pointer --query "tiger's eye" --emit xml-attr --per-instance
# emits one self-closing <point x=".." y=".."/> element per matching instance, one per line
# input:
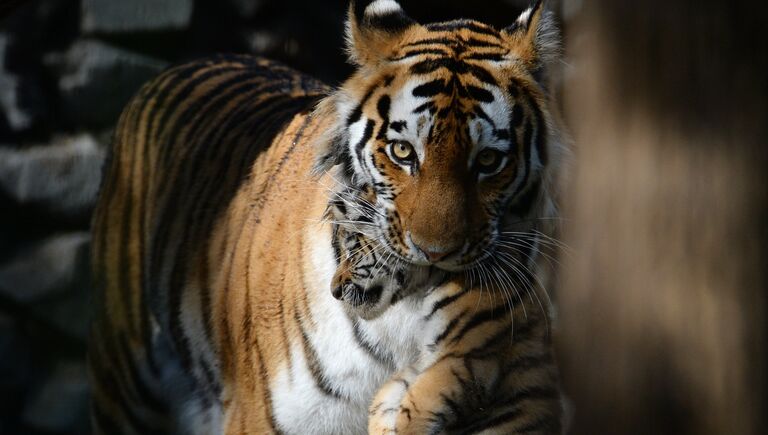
<point x="488" y="160"/>
<point x="403" y="151"/>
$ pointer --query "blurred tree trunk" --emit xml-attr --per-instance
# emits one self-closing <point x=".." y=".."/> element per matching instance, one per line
<point x="662" y="300"/>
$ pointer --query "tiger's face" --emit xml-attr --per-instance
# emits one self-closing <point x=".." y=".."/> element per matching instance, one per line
<point x="444" y="129"/>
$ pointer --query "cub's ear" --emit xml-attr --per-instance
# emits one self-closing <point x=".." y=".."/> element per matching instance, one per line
<point x="534" y="37"/>
<point x="374" y="29"/>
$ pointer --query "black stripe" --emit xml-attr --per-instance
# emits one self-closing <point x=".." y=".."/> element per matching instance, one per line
<point x="420" y="52"/>
<point x="496" y="57"/>
<point x="442" y="303"/>
<point x="482" y="74"/>
<point x="429" y="105"/>
<point x="484" y="116"/>
<point x="516" y="117"/>
<point x="541" y="128"/>
<point x="286" y="340"/>
<point x="498" y="420"/>
<point x="523" y="331"/>
<point x="266" y="398"/>
<point x="357" y="113"/>
<point x="528" y="131"/>
<point x="429" y="66"/>
<point x="489" y="347"/>
<point x="533" y="393"/>
<point x="463" y="25"/>
<point x="541" y="134"/>
<point x="479" y="43"/>
<point x="450" y="327"/>
<point x="145" y="328"/>
<point x="503" y="134"/>
<point x="398" y="126"/>
<point x="270" y="129"/>
<point x="370" y="349"/>
<point x="213" y="387"/>
<point x="523" y="204"/>
<point x="433" y="41"/>
<point x="430" y="89"/>
<point x="123" y="278"/>
<point x="480" y="94"/>
<point x="211" y="101"/>
<point x="528" y="362"/>
<point x="146" y="397"/>
<point x="364" y="140"/>
<point x="313" y="363"/>
<point x="489" y="315"/>
<point x="167" y="109"/>
<point x="383" y="108"/>
<point x="394" y="21"/>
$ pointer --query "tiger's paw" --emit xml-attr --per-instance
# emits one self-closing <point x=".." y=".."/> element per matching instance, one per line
<point x="386" y="413"/>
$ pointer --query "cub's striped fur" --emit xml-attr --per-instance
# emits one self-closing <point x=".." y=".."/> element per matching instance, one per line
<point x="273" y="256"/>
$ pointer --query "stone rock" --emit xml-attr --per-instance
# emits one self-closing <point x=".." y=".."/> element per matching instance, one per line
<point x="16" y="373"/>
<point x="97" y="80"/>
<point x="261" y="42"/>
<point x="109" y="16"/>
<point x="17" y="118"/>
<point x="47" y="268"/>
<point x="247" y="8"/>
<point x="70" y="311"/>
<point x="62" y="178"/>
<point x="62" y="402"/>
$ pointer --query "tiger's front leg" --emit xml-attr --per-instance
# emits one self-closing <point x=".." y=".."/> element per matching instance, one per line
<point x="485" y="368"/>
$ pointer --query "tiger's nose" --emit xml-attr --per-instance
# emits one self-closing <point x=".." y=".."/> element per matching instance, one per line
<point x="434" y="254"/>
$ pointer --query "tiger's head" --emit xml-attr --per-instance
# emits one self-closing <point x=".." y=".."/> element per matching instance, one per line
<point x="444" y="130"/>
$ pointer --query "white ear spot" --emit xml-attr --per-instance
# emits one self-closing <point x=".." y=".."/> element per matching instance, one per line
<point x="522" y="20"/>
<point x="382" y="7"/>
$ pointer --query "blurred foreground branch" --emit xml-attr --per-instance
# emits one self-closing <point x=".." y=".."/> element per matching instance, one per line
<point x="663" y="303"/>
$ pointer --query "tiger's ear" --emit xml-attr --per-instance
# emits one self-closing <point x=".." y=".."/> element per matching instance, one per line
<point x="534" y="37"/>
<point x="374" y="29"/>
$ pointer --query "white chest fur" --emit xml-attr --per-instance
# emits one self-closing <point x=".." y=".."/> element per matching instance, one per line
<point x="355" y="359"/>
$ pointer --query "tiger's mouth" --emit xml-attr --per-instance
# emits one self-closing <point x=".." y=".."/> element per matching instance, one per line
<point x="459" y="261"/>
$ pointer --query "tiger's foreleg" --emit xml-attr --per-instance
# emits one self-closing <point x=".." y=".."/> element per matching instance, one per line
<point x="484" y="370"/>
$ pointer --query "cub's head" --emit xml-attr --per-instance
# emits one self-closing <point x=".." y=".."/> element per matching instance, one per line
<point x="444" y="130"/>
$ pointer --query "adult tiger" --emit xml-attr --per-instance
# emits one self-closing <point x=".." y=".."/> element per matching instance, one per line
<point x="264" y="268"/>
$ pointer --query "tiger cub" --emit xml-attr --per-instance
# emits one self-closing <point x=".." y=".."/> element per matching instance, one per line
<point x="368" y="280"/>
<point x="275" y="256"/>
